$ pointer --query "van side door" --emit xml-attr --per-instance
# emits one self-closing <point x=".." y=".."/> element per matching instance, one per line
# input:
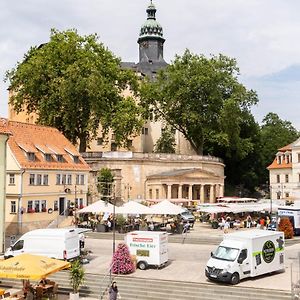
<point x="244" y="263"/>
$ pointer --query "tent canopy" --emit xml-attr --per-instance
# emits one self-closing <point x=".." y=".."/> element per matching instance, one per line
<point x="98" y="207"/>
<point x="133" y="208"/>
<point x="29" y="266"/>
<point x="165" y="207"/>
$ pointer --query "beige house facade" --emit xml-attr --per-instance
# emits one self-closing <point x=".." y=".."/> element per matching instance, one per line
<point x="284" y="173"/>
<point x="45" y="175"/>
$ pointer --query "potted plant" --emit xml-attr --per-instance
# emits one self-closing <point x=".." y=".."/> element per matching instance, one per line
<point x="120" y="222"/>
<point x="76" y="278"/>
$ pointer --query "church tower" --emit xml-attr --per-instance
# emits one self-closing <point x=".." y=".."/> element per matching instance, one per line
<point x="151" y="43"/>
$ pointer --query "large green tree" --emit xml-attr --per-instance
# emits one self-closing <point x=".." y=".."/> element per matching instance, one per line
<point x="74" y="83"/>
<point x="275" y="134"/>
<point x="203" y="99"/>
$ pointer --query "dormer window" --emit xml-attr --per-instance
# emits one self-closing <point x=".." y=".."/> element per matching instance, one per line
<point x="48" y="157"/>
<point x="31" y="156"/>
<point x="76" y="159"/>
<point x="59" y="157"/>
<point x="73" y="155"/>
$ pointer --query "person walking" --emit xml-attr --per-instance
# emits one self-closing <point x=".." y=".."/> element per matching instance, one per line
<point x="113" y="292"/>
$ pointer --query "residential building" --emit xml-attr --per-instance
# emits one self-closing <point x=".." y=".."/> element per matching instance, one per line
<point x="284" y="173"/>
<point x="4" y="134"/>
<point x="45" y="174"/>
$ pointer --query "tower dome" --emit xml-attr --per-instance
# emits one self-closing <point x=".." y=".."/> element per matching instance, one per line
<point x="151" y="28"/>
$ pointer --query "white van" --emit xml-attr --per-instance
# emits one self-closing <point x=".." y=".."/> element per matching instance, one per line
<point x="149" y="248"/>
<point x="55" y="243"/>
<point x="246" y="254"/>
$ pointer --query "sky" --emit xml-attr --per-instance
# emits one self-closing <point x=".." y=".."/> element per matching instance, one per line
<point x="263" y="35"/>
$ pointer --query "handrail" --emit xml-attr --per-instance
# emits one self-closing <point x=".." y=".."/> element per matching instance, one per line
<point x="102" y="283"/>
<point x="55" y="221"/>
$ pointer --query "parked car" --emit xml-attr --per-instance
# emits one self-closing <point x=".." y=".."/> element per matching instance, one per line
<point x="187" y="216"/>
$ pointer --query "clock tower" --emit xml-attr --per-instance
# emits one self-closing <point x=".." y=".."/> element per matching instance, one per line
<point x="151" y="43"/>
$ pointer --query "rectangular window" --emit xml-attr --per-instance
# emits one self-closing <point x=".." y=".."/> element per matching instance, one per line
<point x="48" y="157"/>
<point x="129" y="143"/>
<point x="150" y="193"/>
<point x="278" y="178"/>
<point x="77" y="179"/>
<point x="29" y="206"/>
<point x="31" y="179"/>
<point x="82" y="179"/>
<point x="45" y="179"/>
<point x="55" y="206"/>
<point x="44" y="205"/>
<point x="157" y="193"/>
<point x="58" y="179"/>
<point x="145" y="131"/>
<point x="37" y="205"/>
<point x="113" y="137"/>
<point x="31" y="156"/>
<point x="287" y="195"/>
<point x="287" y="159"/>
<point x="298" y="157"/>
<point x="69" y="179"/>
<point x="64" y="179"/>
<point x="76" y="159"/>
<point x="99" y="141"/>
<point x="39" y="179"/>
<point x="13" y="207"/>
<point x="11" y="179"/>
<point x="286" y="177"/>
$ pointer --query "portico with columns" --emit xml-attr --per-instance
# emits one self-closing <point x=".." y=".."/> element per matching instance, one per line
<point x="185" y="185"/>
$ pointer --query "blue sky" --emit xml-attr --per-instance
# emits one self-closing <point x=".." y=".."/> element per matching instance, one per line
<point x="262" y="35"/>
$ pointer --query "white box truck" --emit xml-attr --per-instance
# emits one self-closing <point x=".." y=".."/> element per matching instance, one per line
<point x="149" y="248"/>
<point x="55" y="243"/>
<point x="246" y="254"/>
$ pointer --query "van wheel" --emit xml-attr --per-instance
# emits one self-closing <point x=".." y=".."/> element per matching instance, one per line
<point x="142" y="265"/>
<point x="10" y="256"/>
<point x="235" y="278"/>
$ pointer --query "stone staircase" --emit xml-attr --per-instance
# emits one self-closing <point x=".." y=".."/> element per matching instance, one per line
<point x="178" y="238"/>
<point x="150" y="289"/>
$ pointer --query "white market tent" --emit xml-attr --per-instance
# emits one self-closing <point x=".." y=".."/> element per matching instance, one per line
<point x="98" y="207"/>
<point x="133" y="208"/>
<point x="165" y="207"/>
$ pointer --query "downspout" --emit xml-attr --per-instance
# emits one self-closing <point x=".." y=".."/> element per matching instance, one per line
<point x="20" y="216"/>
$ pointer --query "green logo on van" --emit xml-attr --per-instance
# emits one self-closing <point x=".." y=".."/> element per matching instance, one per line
<point x="268" y="251"/>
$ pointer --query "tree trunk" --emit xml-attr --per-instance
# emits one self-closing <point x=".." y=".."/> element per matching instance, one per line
<point x="82" y="143"/>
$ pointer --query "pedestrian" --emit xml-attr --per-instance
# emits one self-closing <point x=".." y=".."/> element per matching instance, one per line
<point x="113" y="292"/>
<point x="249" y="221"/>
<point x="226" y="225"/>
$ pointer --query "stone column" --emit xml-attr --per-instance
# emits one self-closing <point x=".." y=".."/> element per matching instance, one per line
<point x="221" y="194"/>
<point x="169" y="193"/>
<point x="190" y="192"/>
<point x="217" y="190"/>
<point x="202" y="196"/>
<point x="211" y="194"/>
<point x="180" y="191"/>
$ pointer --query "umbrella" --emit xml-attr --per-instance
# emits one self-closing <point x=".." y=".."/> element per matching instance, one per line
<point x="98" y="207"/>
<point x="165" y="207"/>
<point x="29" y="266"/>
<point x="133" y="208"/>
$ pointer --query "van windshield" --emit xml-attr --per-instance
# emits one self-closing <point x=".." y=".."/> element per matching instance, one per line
<point x="226" y="253"/>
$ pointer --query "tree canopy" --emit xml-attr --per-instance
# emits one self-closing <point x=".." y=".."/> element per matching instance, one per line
<point x="202" y="98"/>
<point x="275" y="134"/>
<point x="74" y="83"/>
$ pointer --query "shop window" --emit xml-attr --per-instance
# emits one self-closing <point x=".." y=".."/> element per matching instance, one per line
<point x="43" y="205"/>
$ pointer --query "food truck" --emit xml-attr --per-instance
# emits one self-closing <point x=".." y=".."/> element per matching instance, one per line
<point x="148" y="247"/>
<point x="246" y="254"/>
<point x="293" y="213"/>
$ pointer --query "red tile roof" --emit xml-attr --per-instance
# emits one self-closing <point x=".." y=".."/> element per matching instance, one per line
<point x="37" y="139"/>
<point x="3" y="126"/>
<point x="283" y="165"/>
<point x="286" y="148"/>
